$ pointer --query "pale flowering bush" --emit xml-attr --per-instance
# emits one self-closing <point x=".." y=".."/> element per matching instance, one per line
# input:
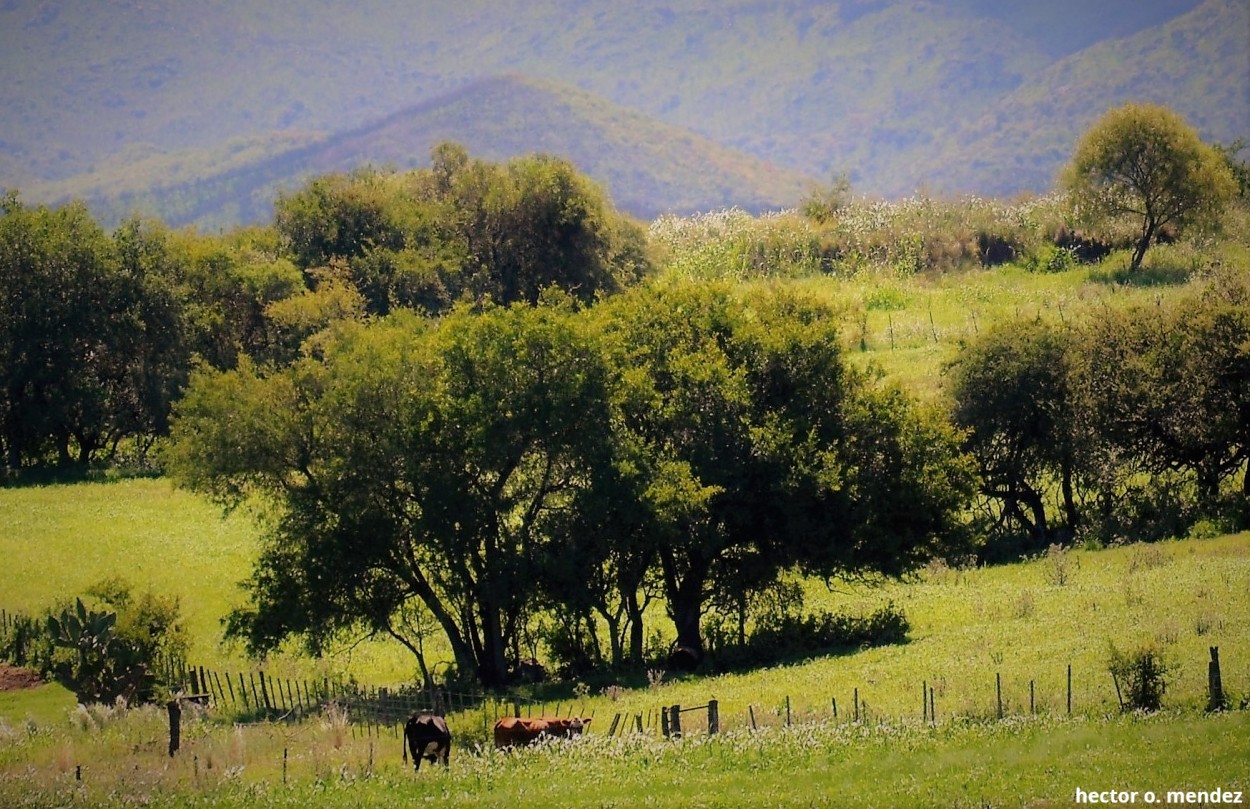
<point x="905" y="237"/>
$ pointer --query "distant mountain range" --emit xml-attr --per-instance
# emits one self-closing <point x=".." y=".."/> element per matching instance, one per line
<point x="201" y="112"/>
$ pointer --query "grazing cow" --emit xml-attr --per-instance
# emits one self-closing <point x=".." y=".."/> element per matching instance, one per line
<point x="684" y="658"/>
<point x="528" y="670"/>
<point x="515" y="731"/>
<point x="428" y="737"/>
<point x="566" y="728"/>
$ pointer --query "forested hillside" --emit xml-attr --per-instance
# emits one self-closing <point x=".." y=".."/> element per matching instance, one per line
<point x="648" y="167"/>
<point x="964" y="96"/>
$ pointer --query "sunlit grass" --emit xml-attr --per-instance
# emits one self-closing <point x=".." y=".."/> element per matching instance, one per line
<point x="56" y="541"/>
<point x="1024" y="761"/>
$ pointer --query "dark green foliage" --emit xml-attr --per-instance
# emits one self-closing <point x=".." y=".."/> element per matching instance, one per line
<point x="1169" y="387"/>
<point x="337" y="216"/>
<point x="788" y="634"/>
<point x="66" y="316"/>
<point x="1141" y="677"/>
<point x="761" y="449"/>
<point x="108" y="653"/>
<point x="1131" y="425"/>
<point x="413" y="463"/>
<point x="1012" y="394"/>
<point x="19" y="639"/>
<point x="503" y="460"/>
<point x="463" y="229"/>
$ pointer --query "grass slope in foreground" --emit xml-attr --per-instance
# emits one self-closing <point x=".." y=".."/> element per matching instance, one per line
<point x="1035" y="762"/>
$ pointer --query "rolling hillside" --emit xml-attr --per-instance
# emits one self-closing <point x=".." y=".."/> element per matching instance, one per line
<point x="648" y="168"/>
<point x="1182" y="64"/>
<point x="138" y="97"/>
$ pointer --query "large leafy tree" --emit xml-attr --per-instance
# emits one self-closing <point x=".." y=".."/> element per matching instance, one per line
<point x="1145" y="161"/>
<point x="1168" y="388"/>
<point x="410" y="463"/>
<point x="1011" y="393"/>
<point x="67" y="317"/>
<point x="763" y="450"/>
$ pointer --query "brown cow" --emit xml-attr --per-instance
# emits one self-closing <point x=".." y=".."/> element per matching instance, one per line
<point x="427" y="737"/>
<point x="515" y="731"/>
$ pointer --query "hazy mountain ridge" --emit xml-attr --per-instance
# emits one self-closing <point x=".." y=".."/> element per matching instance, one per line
<point x="648" y="167"/>
<point x="1030" y="133"/>
<point x="955" y="96"/>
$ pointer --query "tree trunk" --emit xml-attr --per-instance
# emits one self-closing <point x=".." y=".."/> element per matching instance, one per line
<point x="684" y="591"/>
<point x="1139" y="252"/>
<point x="615" y="638"/>
<point x="493" y="665"/>
<point x="686" y="617"/>
<point x="1208" y="485"/>
<point x="636" y="638"/>
<point x="1041" y="530"/>
<point x="1069" y="500"/>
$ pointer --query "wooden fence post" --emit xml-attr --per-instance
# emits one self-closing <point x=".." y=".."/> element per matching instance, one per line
<point x="713" y="717"/>
<point x="664" y="729"/>
<point x="787" y="710"/>
<point x="175" y="726"/>
<point x="1215" y="683"/>
<point x="751" y="713"/>
<point x="998" y="685"/>
<point x="1069" y="689"/>
<point x="674" y="722"/>
<point x="856" y="697"/>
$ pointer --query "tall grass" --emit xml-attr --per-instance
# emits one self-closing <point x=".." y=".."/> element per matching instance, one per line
<point x="1025" y="761"/>
<point x="918" y="278"/>
<point x="971" y="628"/>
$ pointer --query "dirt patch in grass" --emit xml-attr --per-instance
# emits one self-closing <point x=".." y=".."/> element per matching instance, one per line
<point x="15" y="679"/>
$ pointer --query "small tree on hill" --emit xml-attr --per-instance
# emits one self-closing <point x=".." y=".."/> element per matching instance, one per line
<point x="1143" y="160"/>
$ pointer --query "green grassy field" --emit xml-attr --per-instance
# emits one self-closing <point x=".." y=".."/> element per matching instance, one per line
<point x="1023" y="622"/>
<point x="1020" y="625"/>
<point x="1034" y="762"/>
<point x="56" y="541"/>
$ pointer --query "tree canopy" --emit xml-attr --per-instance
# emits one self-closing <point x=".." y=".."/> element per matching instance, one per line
<point x="464" y="229"/>
<point x="1145" y="161"/>
<point x="456" y="467"/>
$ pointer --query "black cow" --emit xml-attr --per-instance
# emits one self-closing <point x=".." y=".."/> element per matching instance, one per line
<point x="684" y="658"/>
<point x="428" y="737"/>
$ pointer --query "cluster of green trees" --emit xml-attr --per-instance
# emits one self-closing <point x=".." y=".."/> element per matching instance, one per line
<point x="1128" y="426"/>
<point x="467" y="473"/>
<point x="99" y="332"/>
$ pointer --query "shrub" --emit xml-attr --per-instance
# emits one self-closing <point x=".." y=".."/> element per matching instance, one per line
<point x="19" y="640"/>
<point x="1050" y="259"/>
<point x="1140" y="676"/>
<point x="786" y="635"/>
<point x="104" y="654"/>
